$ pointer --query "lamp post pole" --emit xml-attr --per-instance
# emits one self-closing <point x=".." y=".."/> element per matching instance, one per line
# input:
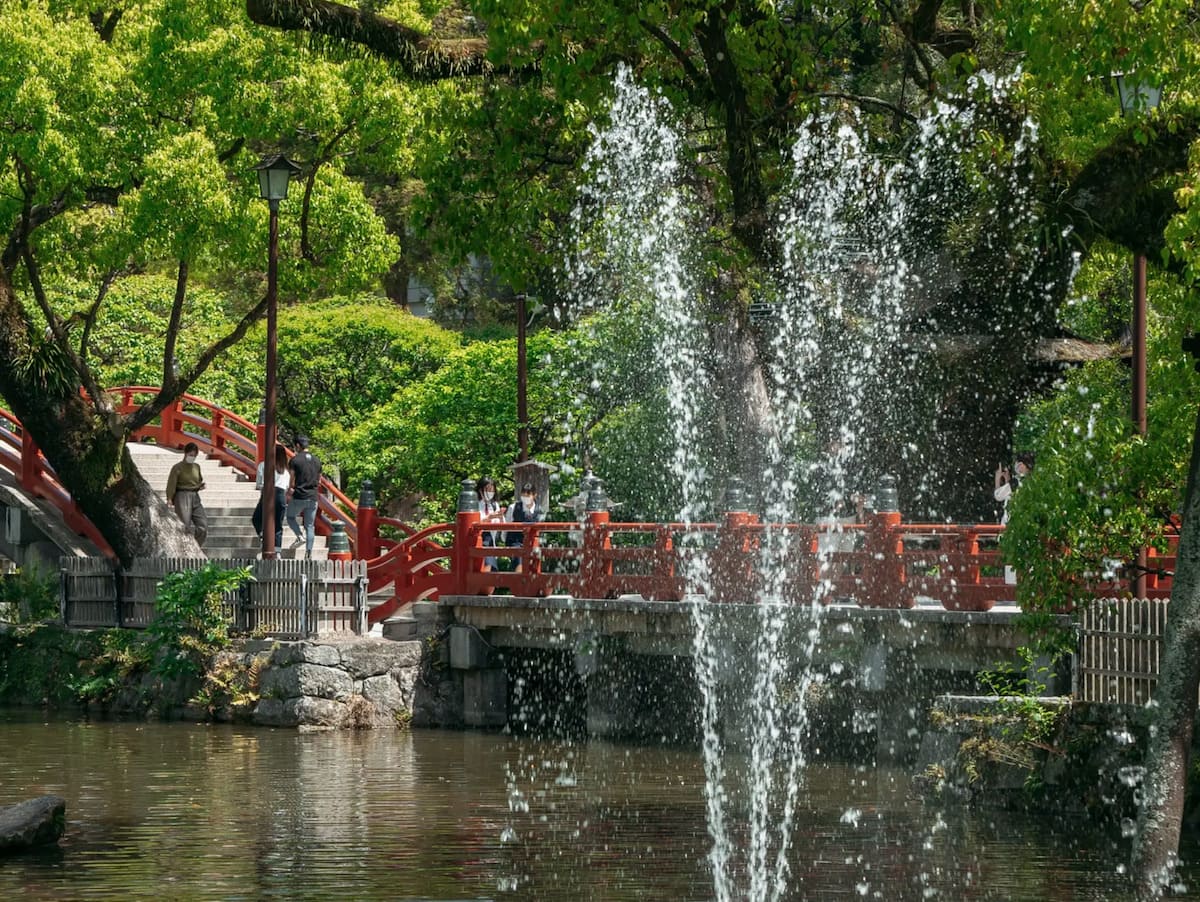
<point x="1135" y="95"/>
<point x="268" y="489"/>
<point x="522" y="384"/>
<point x="273" y="177"/>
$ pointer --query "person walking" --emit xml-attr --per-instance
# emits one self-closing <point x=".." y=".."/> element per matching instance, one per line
<point x="185" y="482"/>
<point x="302" y="494"/>
<point x="283" y="482"/>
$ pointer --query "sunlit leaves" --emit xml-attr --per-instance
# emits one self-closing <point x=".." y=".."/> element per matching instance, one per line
<point x="183" y="206"/>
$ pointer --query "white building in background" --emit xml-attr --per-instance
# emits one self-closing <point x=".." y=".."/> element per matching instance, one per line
<point x="419" y="298"/>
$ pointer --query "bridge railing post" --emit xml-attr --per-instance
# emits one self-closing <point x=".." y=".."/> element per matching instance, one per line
<point x="31" y="463"/>
<point x="366" y="520"/>
<point x="217" y="435"/>
<point x="885" y="583"/>
<point x="732" y="566"/>
<point x="596" y="569"/>
<point x="172" y="425"/>
<point x="468" y="515"/>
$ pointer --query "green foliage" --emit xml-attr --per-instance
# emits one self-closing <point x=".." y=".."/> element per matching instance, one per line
<point x="1098" y="491"/>
<point x="456" y="423"/>
<point x="230" y="684"/>
<point x="1020" y="688"/>
<point x="189" y="624"/>
<point x="343" y="359"/>
<point x="28" y="596"/>
<point x="123" y="655"/>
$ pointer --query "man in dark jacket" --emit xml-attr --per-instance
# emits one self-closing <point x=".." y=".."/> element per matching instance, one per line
<point x="302" y="496"/>
<point x="524" y="511"/>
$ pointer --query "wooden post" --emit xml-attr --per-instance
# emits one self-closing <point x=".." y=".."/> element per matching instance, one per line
<point x="732" y="569"/>
<point x="31" y="464"/>
<point x="217" y="434"/>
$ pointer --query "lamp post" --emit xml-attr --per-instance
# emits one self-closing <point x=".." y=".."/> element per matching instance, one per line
<point x="522" y="384"/>
<point x="1137" y="96"/>
<point x="273" y="176"/>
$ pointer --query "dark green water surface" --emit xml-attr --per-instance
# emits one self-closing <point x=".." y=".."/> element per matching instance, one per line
<point x="182" y="811"/>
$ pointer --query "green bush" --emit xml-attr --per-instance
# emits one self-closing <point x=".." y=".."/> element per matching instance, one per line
<point x="28" y="596"/>
<point x="189" y="624"/>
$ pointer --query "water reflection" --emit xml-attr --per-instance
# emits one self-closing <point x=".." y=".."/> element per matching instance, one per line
<point x="181" y="811"/>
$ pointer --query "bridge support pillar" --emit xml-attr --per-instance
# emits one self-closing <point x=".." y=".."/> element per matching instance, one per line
<point x="485" y="688"/>
<point x="639" y="696"/>
<point x="485" y="698"/>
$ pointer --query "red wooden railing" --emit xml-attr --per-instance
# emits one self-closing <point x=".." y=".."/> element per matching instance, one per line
<point x="882" y="562"/>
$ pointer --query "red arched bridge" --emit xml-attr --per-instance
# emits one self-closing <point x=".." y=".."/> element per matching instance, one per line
<point x="882" y="562"/>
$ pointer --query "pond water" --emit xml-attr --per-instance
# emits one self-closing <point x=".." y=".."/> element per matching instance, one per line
<point x="183" y="811"/>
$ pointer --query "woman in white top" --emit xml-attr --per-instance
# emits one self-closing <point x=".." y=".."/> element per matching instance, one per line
<point x="490" y="511"/>
<point x="283" y="481"/>
<point x="1006" y="485"/>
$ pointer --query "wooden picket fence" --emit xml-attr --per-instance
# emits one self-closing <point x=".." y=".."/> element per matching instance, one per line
<point x="285" y="598"/>
<point x="1120" y="642"/>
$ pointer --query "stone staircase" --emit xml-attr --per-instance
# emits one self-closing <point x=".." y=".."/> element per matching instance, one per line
<point x="229" y="499"/>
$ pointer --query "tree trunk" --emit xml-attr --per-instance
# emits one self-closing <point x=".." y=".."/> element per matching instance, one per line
<point x="1161" y="815"/>
<point x="85" y="448"/>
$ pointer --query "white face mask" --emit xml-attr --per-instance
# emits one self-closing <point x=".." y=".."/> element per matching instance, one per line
<point x="527" y="500"/>
<point x="190" y="458"/>
<point x="488" y="495"/>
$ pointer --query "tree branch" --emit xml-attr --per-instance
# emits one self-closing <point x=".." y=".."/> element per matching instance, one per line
<point x="105" y="25"/>
<point x="172" y="336"/>
<point x="159" y="402"/>
<point x="59" y="332"/>
<point x="862" y="100"/>
<point x="420" y="56"/>
<point x="1119" y="194"/>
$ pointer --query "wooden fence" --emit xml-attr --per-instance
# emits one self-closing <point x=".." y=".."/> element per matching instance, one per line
<point x="1119" y="648"/>
<point x="287" y="598"/>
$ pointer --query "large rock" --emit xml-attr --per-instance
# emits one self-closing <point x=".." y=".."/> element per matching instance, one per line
<point x="37" y="822"/>
<point x="274" y="712"/>
<point x="307" y="679"/>
<point x="317" y="712"/>
<point x="387" y="697"/>
<point x="299" y="712"/>
<point x="372" y="657"/>
<point x="288" y="653"/>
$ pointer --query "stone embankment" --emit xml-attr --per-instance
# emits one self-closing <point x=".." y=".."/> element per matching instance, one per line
<point x="361" y="683"/>
<point x="354" y="683"/>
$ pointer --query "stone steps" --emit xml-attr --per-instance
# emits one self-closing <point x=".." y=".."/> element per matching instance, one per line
<point x="229" y="500"/>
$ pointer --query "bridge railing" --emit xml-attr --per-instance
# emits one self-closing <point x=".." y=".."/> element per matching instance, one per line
<point x="881" y="562"/>
<point x="20" y="455"/>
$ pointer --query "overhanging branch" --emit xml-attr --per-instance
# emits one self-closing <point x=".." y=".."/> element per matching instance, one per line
<point x="420" y="56"/>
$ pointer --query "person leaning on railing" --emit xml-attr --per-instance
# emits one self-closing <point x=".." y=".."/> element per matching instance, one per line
<point x="524" y="511"/>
